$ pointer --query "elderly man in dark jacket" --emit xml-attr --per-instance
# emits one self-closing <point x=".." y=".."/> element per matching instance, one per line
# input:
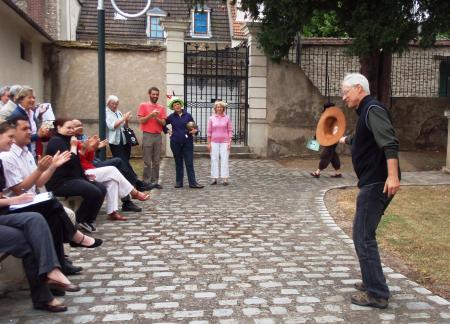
<point x="375" y="160"/>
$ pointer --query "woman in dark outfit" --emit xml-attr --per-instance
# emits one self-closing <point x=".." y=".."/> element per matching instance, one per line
<point x="328" y="155"/>
<point x="69" y="179"/>
<point x="182" y="143"/>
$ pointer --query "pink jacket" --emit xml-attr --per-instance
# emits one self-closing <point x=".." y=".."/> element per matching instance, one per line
<point x="220" y="128"/>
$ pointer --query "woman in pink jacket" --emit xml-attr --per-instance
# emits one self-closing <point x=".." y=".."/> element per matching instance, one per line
<point x="219" y="132"/>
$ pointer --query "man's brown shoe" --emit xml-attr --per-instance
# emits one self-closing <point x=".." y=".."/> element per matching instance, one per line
<point x="115" y="216"/>
<point x="360" y="286"/>
<point x="362" y="298"/>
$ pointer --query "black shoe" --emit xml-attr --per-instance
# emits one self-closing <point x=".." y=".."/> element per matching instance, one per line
<point x="157" y="186"/>
<point x="97" y="242"/>
<point x="214" y="182"/>
<point x="178" y="185"/>
<point x="130" y="206"/>
<point x="143" y="186"/>
<point x="196" y="186"/>
<point x="70" y="270"/>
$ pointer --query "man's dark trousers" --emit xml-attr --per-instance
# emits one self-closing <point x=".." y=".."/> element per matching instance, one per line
<point x="370" y="206"/>
<point x="27" y="236"/>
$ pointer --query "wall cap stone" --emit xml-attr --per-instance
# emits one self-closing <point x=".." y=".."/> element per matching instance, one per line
<point x="330" y="41"/>
<point x="171" y="24"/>
<point x="154" y="46"/>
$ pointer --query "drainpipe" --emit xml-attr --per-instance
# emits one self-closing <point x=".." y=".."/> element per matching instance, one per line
<point x="446" y="169"/>
<point x="101" y="75"/>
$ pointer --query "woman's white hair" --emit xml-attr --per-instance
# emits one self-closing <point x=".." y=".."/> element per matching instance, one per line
<point x="353" y="79"/>
<point x="223" y="104"/>
<point x="112" y="98"/>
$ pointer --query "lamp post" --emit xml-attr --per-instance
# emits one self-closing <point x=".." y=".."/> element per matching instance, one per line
<point x="101" y="63"/>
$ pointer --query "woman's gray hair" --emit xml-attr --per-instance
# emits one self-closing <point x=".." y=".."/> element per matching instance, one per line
<point x="353" y="79"/>
<point x="112" y="98"/>
<point x="223" y="104"/>
<point x="24" y="92"/>
<point x="4" y="90"/>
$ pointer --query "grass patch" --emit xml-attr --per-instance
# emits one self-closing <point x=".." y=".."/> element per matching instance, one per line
<point x="414" y="231"/>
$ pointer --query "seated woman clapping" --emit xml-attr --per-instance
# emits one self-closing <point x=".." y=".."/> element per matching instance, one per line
<point x="69" y="180"/>
<point x="116" y="184"/>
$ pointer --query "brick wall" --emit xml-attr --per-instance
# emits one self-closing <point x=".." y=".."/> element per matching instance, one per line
<point x="36" y="10"/>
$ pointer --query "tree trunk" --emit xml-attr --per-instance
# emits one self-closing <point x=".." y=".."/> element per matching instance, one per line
<point x="377" y="68"/>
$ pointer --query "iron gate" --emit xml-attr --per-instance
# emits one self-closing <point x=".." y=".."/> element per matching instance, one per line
<point x="212" y="74"/>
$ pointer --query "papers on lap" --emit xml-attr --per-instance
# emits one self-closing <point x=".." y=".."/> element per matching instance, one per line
<point x="36" y="200"/>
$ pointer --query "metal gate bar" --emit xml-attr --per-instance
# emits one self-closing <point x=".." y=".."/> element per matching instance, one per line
<point x="212" y="74"/>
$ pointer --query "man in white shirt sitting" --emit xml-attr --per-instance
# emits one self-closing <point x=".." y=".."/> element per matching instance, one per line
<point x="22" y="174"/>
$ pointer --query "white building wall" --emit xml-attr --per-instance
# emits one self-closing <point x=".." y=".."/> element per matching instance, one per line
<point x="13" y="69"/>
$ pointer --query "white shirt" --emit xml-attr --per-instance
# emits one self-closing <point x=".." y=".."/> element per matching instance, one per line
<point x="18" y="164"/>
<point x="114" y="134"/>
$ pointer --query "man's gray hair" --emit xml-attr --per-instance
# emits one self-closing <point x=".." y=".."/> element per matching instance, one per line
<point x="112" y="98"/>
<point x="14" y="90"/>
<point x="353" y="79"/>
<point x="4" y="90"/>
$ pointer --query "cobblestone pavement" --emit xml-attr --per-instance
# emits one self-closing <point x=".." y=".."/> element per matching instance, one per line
<point x="262" y="250"/>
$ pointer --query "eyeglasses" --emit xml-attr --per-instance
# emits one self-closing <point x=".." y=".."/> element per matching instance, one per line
<point x="346" y="91"/>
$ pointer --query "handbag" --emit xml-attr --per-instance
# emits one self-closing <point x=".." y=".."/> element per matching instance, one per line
<point x="130" y="136"/>
<point x="313" y="145"/>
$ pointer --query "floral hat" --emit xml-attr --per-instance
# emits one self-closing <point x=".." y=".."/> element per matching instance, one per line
<point x="172" y="99"/>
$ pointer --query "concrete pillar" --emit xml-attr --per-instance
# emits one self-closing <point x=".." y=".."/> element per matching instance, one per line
<point x="175" y="30"/>
<point x="257" y="93"/>
<point x="447" y="164"/>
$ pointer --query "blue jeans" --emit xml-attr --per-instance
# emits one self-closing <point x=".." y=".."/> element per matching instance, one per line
<point x="183" y="151"/>
<point x="370" y="206"/>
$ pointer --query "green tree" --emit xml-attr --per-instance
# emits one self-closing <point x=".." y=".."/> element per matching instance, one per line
<point x="378" y="28"/>
<point x="323" y="24"/>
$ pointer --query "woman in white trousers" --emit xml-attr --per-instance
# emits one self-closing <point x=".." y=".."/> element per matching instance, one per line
<point x="220" y="132"/>
<point x="117" y="186"/>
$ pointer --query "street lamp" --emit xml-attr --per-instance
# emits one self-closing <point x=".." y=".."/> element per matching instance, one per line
<point x="101" y="63"/>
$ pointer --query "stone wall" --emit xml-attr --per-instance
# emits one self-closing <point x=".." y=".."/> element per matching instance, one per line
<point x="420" y="122"/>
<point x="293" y="109"/>
<point x="415" y="73"/>
<point x="294" y="106"/>
<point x="129" y="75"/>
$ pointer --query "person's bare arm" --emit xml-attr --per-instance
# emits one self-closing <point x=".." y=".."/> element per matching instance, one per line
<point x="392" y="184"/>
<point x="43" y="164"/>
<point x="58" y="160"/>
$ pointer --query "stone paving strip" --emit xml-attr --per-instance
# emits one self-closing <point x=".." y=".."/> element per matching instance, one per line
<point x="262" y="250"/>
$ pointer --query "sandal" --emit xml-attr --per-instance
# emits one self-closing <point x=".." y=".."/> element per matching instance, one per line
<point x="315" y="174"/>
<point x="337" y="175"/>
<point x="96" y="243"/>
<point x="142" y="196"/>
